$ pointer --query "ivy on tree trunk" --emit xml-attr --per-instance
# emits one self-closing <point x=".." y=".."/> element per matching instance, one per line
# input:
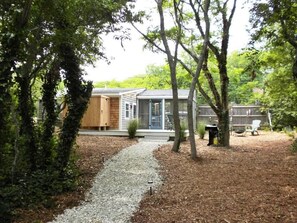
<point x="13" y="36"/>
<point x="78" y="96"/>
<point x="26" y="111"/>
<point x="50" y="84"/>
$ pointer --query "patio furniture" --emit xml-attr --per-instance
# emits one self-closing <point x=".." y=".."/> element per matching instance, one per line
<point x="240" y="131"/>
<point x="254" y="127"/>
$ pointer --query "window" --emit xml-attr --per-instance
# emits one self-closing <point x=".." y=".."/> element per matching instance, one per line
<point x="134" y="111"/>
<point x="127" y="110"/>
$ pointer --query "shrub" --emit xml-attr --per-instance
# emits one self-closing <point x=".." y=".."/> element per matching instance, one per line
<point x="132" y="128"/>
<point x="183" y="128"/>
<point x="201" y="130"/>
<point x="289" y="132"/>
<point x="294" y="146"/>
<point x="265" y="127"/>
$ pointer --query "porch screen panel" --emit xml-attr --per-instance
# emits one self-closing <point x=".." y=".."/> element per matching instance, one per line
<point x="169" y="114"/>
<point x="183" y="111"/>
<point x="183" y="114"/>
<point x="143" y="114"/>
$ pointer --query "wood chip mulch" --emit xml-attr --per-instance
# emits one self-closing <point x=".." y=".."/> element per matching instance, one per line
<point x="253" y="181"/>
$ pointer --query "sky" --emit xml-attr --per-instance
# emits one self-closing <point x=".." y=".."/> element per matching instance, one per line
<point x="133" y="59"/>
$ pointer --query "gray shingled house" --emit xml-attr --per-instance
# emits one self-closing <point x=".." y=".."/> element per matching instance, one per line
<point x="113" y="108"/>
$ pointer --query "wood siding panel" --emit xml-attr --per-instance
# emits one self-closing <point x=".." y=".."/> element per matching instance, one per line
<point x="104" y="111"/>
<point x="91" y="117"/>
<point x="114" y="113"/>
<point x="97" y="113"/>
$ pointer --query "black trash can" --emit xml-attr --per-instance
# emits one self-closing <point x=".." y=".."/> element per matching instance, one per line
<point x="212" y="133"/>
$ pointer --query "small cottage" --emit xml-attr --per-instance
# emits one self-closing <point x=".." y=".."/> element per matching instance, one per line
<point x="112" y="109"/>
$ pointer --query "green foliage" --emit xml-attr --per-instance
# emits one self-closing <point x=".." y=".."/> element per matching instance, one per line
<point x="132" y="128"/>
<point x="294" y="146"/>
<point x="156" y="77"/>
<point x="273" y="20"/>
<point x="79" y="93"/>
<point x="276" y="22"/>
<point x="27" y="189"/>
<point x="42" y="44"/>
<point x="265" y="127"/>
<point x="201" y="130"/>
<point x="245" y="75"/>
<point x="36" y="188"/>
<point x="289" y="132"/>
<point x="280" y="90"/>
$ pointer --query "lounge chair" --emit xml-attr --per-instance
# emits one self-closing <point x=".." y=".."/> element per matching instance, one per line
<point x="254" y="127"/>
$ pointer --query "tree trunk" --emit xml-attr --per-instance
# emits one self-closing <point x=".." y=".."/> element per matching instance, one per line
<point x="199" y="61"/>
<point x="176" y="119"/>
<point x="49" y="102"/>
<point x="26" y="108"/>
<point x="78" y="97"/>
<point x="5" y="105"/>
<point x="10" y="53"/>
<point x="191" y="126"/>
<point x="223" y="125"/>
<point x="172" y="61"/>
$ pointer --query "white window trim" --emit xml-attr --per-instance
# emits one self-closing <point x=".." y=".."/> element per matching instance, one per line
<point x="129" y="110"/>
<point x="134" y="111"/>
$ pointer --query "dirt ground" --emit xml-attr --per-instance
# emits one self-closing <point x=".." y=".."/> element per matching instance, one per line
<point x="253" y="181"/>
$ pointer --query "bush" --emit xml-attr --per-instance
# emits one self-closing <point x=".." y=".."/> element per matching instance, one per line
<point x="35" y="189"/>
<point x="201" y="130"/>
<point x="183" y="128"/>
<point x="294" y="146"/>
<point x="132" y="128"/>
<point x="289" y="132"/>
<point x="265" y="127"/>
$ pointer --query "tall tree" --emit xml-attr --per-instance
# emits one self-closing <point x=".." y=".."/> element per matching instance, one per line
<point x="178" y="34"/>
<point x="47" y="42"/>
<point x="13" y="33"/>
<point x="158" y="39"/>
<point x="280" y="95"/>
<point x="198" y="54"/>
<point x="172" y="61"/>
<point x="183" y="19"/>
<point x="276" y="21"/>
<point x="219" y="100"/>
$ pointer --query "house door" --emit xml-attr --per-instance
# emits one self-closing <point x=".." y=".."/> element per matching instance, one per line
<point x="155" y="120"/>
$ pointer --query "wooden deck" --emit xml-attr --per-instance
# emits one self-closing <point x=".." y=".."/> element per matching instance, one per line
<point x="141" y="133"/>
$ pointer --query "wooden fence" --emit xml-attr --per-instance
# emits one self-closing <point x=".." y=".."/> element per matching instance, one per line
<point x="240" y="115"/>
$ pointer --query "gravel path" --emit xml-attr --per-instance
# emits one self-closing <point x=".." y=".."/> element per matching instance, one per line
<point x="118" y="188"/>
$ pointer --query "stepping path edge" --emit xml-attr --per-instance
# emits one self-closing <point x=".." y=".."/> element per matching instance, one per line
<point x="119" y="187"/>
